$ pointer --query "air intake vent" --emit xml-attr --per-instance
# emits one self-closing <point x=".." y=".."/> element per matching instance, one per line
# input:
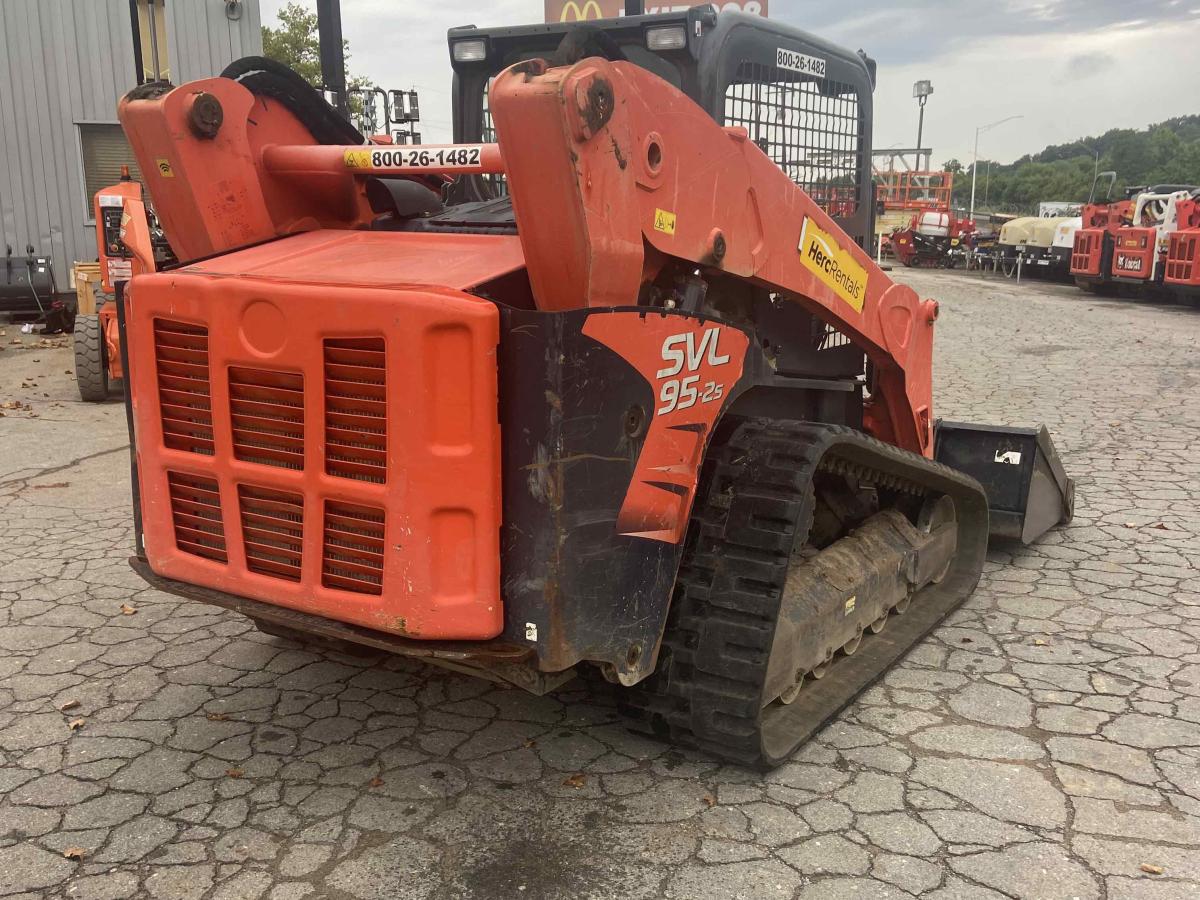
<point x="356" y="409"/>
<point x="273" y="531"/>
<point x="267" y="415"/>
<point x="181" y="360"/>
<point x="353" y="556"/>
<point x="196" y="512"/>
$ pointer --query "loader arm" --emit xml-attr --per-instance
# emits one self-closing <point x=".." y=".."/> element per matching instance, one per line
<point x="611" y="168"/>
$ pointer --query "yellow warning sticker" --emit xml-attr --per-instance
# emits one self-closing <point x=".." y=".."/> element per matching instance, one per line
<point x="664" y="221"/>
<point x="164" y="167"/>
<point x="822" y="255"/>
<point x="358" y="159"/>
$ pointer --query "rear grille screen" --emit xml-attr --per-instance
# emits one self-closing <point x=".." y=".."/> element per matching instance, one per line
<point x="1180" y="256"/>
<point x="353" y="548"/>
<point x="272" y="531"/>
<point x="356" y="409"/>
<point x="267" y="416"/>
<point x="196" y="512"/>
<point x="181" y="361"/>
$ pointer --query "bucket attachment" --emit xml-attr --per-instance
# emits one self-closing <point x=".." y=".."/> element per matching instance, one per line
<point x="1028" y="491"/>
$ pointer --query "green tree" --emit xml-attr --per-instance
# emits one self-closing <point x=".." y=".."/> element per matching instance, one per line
<point x="953" y="166"/>
<point x="1166" y="153"/>
<point x="296" y="43"/>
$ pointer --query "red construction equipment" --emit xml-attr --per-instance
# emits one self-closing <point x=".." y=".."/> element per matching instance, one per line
<point x="97" y="341"/>
<point x="1182" y="270"/>
<point x="917" y="216"/>
<point x="651" y="410"/>
<point x="1092" y="253"/>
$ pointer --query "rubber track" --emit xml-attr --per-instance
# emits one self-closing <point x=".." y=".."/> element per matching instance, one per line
<point x="754" y="507"/>
<point x="90" y="370"/>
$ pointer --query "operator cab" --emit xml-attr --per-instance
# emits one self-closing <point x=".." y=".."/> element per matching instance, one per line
<point x="803" y="100"/>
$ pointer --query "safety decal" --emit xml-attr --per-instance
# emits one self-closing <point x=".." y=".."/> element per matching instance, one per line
<point x="664" y="221"/>
<point x="822" y="255"/>
<point x="414" y="157"/>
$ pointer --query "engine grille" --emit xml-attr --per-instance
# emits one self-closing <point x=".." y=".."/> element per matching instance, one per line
<point x="1181" y="256"/>
<point x="353" y="548"/>
<point x="266" y="411"/>
<point x="356" y="409"/>
<point x="196" y="513"/>
<point x="181" y="363"/>
<point x="272" y="531"/>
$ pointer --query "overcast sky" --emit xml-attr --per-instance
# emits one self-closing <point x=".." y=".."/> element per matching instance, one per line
<point x="1069" y="67"/>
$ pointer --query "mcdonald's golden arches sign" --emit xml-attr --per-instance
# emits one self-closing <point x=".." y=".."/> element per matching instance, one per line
<point x="582" y="10"/>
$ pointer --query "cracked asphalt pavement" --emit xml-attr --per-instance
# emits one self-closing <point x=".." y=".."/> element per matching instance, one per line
<point x="1043" y="743"/>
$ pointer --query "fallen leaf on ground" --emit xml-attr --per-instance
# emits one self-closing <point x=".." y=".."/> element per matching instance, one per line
<point x="217" y="717"/>
<point x="235" y="773"/>
<point x="1151" y="869"/>
<point x="529" y="742"/>
<point x="576" y="781"/>
<point x="127" y="610"/>
<point x="709" y="800"/>
<point x="1038" y="642"/>
<point x="375" y="782"/>
<point x="75" y="852"/>
<point x="966" y="640"/>
<point x="75" y="724"/>
<point x="1161" y="526"/>
<point x="67" y="704"/>
<point x="46" y="487"/>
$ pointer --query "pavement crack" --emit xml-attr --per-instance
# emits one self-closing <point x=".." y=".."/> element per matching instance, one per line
<point x="24" y="480"/>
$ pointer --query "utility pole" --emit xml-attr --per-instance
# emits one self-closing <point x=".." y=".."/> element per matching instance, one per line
<point x="975" y="156"/>
<point x="333" y="56"/>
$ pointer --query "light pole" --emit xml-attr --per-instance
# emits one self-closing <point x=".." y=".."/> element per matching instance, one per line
<point x="975" y="156"/>
<point x="921" y="90"/>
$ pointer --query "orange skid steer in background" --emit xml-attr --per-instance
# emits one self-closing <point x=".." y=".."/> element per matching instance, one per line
<point x="611" y="390"/>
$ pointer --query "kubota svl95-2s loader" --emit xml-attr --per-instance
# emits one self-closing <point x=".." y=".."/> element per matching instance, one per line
<point x="612" y="390"/>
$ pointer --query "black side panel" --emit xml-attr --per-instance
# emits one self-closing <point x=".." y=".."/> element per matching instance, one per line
<point x="569" y="578"/>
<point x="575" y="417"/>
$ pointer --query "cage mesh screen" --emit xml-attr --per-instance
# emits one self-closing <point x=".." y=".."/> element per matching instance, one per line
<point x="497" y="183"/>
<point x="814" y="135"/>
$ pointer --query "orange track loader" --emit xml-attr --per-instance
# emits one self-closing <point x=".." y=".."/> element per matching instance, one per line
<point x="609" y="390"/>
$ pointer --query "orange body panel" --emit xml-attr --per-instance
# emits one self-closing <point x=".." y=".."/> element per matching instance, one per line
<point x="606" y="160"/>
<point x="213" y="195"/>
<point x="112" y="340"/>
<point x="325" y="443"/>
<point x="1183" y="252"/>
<point x="1087" y="252"/>
<point x="1100" y="222"/>
<point x="693" y="367"/>
<point x="1134" y="253"/>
